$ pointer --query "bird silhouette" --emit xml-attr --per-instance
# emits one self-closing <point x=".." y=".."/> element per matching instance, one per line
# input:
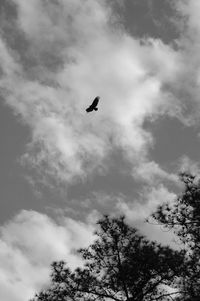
<point x="93" y="106"/>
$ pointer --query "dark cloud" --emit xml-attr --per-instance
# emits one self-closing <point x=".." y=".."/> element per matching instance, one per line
<point x="173" y="139"/>
<point x="150" y="18"/>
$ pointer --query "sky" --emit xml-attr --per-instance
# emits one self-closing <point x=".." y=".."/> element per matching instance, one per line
<point x="62" y="168"/>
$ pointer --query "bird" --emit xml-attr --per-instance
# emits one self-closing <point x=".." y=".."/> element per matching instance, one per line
<point x="93" y="106"/>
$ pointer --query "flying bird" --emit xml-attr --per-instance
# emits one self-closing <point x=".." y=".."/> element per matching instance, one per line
<point x="93" y="106"/>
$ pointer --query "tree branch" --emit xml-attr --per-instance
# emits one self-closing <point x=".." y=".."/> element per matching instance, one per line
<point x="121" y="271"/>
<point x="167" y="295"/>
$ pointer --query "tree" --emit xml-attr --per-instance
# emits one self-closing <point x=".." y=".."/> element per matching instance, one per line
<point x="120" y="265"/>
<point x="183" y="217"/>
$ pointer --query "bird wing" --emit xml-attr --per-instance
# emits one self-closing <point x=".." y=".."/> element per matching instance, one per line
<point x="95" y="102"/>
<point x="89" y="109"/>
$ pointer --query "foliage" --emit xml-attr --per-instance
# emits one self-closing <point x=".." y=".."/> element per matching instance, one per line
<point x="120" y="265"/>
<point x="184" y="219"/>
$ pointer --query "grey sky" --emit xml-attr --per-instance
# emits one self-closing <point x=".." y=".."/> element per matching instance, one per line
<point x="173" y="140"/>
<point x="140" y="18"/>
<point x="60" y="168"/>
<point x="153" y="18"/>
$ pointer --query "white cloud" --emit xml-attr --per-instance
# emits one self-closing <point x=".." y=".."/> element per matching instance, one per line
<point x="28" y="245"/>
<point x="136" y="212"/>
<point x="186" y="164"/>
<point x="149" y="199"/>
<point x="7" y="61"/>
<point x="95" y="57"/>
<point x="186" y="88"/>
<point x="151" y="173"/>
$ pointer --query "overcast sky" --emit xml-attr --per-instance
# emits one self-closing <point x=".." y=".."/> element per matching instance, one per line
<point x="61" y="168"/>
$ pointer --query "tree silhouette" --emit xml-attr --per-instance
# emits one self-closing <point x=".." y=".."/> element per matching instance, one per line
<point x="183" y="218"/>
<point x="120" y="265"/>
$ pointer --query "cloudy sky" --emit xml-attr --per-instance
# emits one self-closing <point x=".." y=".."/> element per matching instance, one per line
<point x="61" y="168"/>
